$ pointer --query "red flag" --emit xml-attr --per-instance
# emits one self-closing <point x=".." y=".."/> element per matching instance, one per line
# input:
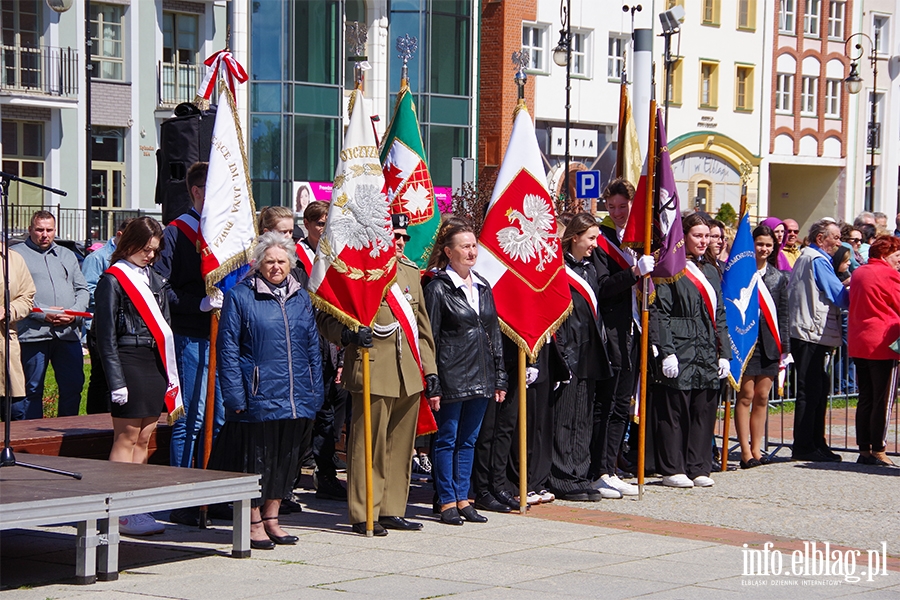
<point x="519" y="250"/>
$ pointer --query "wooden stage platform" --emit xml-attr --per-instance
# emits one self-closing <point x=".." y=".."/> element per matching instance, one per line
<point x="109" y="490"/>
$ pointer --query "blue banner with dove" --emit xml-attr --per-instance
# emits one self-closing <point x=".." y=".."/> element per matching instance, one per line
<point x="739" y="288"/>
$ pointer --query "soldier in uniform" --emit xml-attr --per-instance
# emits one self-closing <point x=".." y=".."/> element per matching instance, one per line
<point x="396" y="386"/>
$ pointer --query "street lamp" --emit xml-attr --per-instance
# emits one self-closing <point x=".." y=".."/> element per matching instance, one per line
<point x="562" y="56"/>
<point x="671" y="24"/>
<point x="854" y="86"/>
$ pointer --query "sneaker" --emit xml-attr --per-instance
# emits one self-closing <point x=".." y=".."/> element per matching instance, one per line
<point x="425" y="464"/>
<point x="627" y="489"/>
<point x="141" y="524"/>
<point x="677" y="481"/>
<point x="608" y="493"/>
<point x="546" y="496"/>
<point x="703" y="481"/>
<point x="533" y="498"/>
<point x="416" y="465"/>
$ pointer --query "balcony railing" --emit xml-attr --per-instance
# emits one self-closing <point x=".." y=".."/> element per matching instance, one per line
<point x="178" y="82"/>
<point x="70" y="222"/>
<point x="45" y="71"/>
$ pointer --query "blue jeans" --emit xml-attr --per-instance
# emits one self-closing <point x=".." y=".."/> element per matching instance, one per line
<point x="453" y="451"/>
<point x="192" y="356"/>
<point x="68" y="366"/>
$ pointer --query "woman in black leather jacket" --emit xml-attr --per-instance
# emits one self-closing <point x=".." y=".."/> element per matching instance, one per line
<point x="130" y="354"/>
<point x="582" y="341"/>
<point x="469" y="361"/>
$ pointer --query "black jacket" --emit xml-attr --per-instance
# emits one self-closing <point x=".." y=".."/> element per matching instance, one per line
<point x="614" y="293"/>
<point x="117" y="322"/>
<point x="776" y="282"/>
<point x="468" y="346"/>
<point x="581" y="338"/>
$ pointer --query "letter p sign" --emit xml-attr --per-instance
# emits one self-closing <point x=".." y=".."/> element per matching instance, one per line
<point x="587" y="184"/>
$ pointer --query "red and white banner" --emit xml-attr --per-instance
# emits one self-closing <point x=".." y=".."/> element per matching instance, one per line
<point x="519" y="252"/>
<point x="140" y="295"/>
<point x="221" y="62"/>
<point x="355" y="259"/>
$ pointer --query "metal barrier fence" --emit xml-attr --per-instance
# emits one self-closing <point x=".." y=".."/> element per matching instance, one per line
<point x="840" y="419"/>
<point x="71" y="222"/>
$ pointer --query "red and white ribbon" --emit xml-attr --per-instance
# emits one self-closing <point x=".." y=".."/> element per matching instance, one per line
<point x="577" y="283"/>
<point x="222" y="61"/>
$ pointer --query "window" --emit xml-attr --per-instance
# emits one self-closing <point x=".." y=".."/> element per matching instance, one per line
<point x="784" y="93"/>
<point x="107" y="48"/>
<point x="23" y="155"/>
<point x="743" y="89"/>
<point x="808" y="95"/>
<point x="674" y="91"/>
<point x="709" y="81"/>
<point x="746" y="14"/>
<point x="811" y="18"/>
<point x="836" y="9"/>
<point x="881" y="33"/>
<point x="179" y="69"/>
<point x="580" y="53"/>
<point x="22" y="44"/>
<point x="672" y="3"/>
<point x="534" y="43"/>
<point x="786" y="17"/>
<point x="107" y="166"/>
<point x="833" y="98"/>
<point x="615" y="60"/>
<point x="710" y="12"/>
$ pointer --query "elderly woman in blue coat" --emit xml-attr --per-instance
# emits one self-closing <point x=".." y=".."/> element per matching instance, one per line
<point x="268" y="353"/>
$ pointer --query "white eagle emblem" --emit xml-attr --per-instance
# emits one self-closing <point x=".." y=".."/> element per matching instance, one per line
<point x="362" y="222"/>
<point x="531" y="239"/>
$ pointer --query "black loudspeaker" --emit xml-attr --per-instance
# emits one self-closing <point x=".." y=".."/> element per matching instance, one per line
<point x="183" y="140"/>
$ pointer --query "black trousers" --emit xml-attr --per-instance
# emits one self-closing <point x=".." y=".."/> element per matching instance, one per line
<point x="612" y="409"/>
<point x="874" y="377"/>
<point x="98" y="397"/>
<point x="573" y="425"/>
<point x="539" y="432"/>
<point x="495" y="440"/>
<point x="684" y="422"/>
<point x="812" y="396"/>
<point x="328" y="424"/>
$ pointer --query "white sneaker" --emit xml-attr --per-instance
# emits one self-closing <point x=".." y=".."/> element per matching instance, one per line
<point x="608" y="493"/>
<point x="703" y="481"/>
<point x="547" y="496"/>
<point x="531" y="498"/>
<point x="678" y="481"/>
<point x="140" y="524"/>
<point x="627" y="489"/>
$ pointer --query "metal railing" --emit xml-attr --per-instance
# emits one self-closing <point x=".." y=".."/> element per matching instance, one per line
<point x="45" y="70"/>
<point x="70" y="222"/>
<point x="178" y="82"/>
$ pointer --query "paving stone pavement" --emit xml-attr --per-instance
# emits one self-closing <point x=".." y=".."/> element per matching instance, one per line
<point x="672" y="544"/>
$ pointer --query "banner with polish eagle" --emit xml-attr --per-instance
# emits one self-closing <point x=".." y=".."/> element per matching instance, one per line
<point x="355" y="261"/>
<point x="519" y="250"/>
<point x="409" y="186"/>
<point x="227" y="223"/>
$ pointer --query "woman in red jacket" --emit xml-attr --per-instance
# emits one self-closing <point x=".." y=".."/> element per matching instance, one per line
<point x="873" y="326"/>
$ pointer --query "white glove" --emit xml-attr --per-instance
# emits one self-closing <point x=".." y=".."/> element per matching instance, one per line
<point x="645" y="264"/>
<point x="670" y="366"/>
<point x="531" y="375"/>
<point x="120" y="396"/>
<point x="724" y="368"/>
<point x="786" y="359"/>
<point x="655" y="351"/>
<point x="212" y="301"/>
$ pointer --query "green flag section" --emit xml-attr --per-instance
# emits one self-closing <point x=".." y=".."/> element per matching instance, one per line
<point x="407" y="181"/>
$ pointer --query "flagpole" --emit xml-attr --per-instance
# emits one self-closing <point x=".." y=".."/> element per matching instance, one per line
<point x="210" y="414"/>
<point x="523" y="436"/>
<point x="645" y="298"/>
<point x="620" y="139"/>
<point x="367" y="437"/>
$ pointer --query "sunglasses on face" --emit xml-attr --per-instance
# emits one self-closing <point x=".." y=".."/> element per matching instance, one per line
<point x="401" y="236"/>
<point x="792" y="230"/>
<point x="856" y="240"/>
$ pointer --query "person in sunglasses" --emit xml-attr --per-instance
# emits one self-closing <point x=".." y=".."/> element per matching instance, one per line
<point x="791" y="248"/>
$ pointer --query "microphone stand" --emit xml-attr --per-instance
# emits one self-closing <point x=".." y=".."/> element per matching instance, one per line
<point x="7" y="457"/>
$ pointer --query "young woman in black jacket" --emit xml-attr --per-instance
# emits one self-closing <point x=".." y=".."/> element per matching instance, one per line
<point x="581" y="340"/>
<point x="469" y="361"/>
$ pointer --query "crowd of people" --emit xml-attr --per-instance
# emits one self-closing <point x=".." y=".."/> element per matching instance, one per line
<point x="295" y="375"/>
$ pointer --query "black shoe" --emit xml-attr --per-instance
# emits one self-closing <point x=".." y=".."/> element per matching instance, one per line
<point x="865" y="460"/>
<point x="814" y="456"/>
<point x="486" y="501"/>
<point x="222" y="511"/>
<point x="577" y="497"/>
<point x="749" y="464"/>
<point x="377" y="529"/>
<point x="262" y="544"/>
<point x="451" y="516"/>
<point x="471" y="515"/>
<point x="330" y="488"/>
<point x="831" y="456"/>
<point x="594" y="495"/>
<point x="281" y="540"/>
<point x="399" y="523"/>
<point x="507" y="499"/>
<point x="188" y="516"/>
<point x="288" y="506"/>
<point x="764" y="459"/>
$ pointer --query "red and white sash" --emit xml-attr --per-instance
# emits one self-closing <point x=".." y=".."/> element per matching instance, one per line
<point x="577" y="283"/>
<point x="403" y="312"/>
<point x="696" y="276"/>
<point x="768" y="312"/>
<point x="189" y="226"/>
<point x="140" y="295"/>
<point x="306" y="255"/>
<point x="622" y="258"/>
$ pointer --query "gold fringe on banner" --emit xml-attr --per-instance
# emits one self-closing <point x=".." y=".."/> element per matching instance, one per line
<point x="737" y="384"/>
<point x="521" y="343"/>
<point x="175" y="415"/>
